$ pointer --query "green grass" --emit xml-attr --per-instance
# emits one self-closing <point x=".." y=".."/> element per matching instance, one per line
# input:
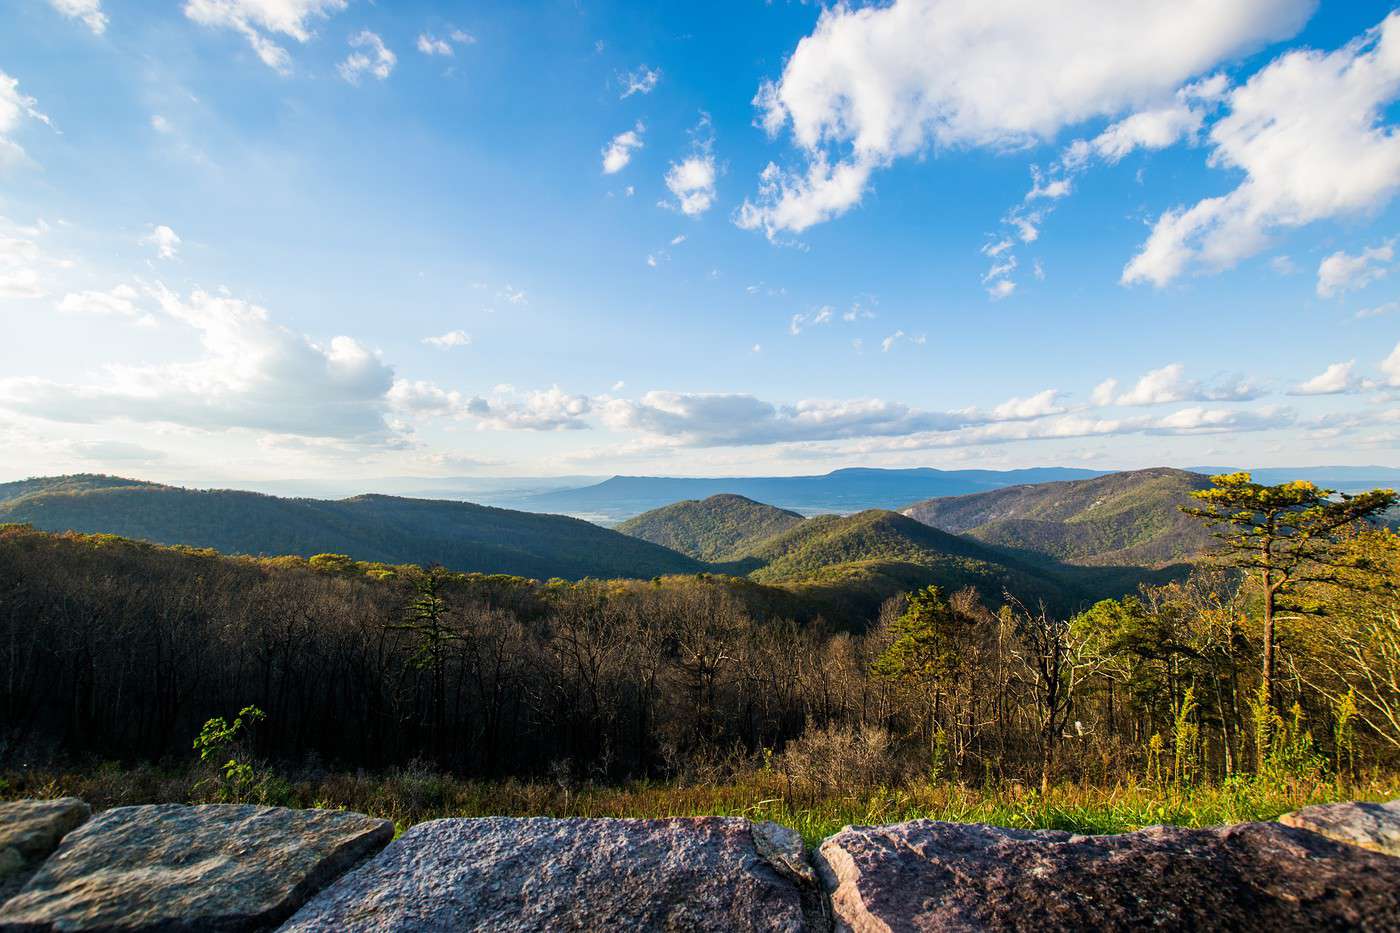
<point x="411" y="796"/>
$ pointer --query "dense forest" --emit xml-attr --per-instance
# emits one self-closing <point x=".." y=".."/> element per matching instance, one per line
<point x="114" y="649"/>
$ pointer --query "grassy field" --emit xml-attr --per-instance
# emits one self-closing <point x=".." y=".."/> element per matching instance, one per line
<point x="412" y="796"/>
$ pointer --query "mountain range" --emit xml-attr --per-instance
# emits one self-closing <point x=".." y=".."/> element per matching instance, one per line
<point x="1067" y="541"/>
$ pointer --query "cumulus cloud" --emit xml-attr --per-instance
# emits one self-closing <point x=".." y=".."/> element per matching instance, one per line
<point x="453" y="338"/>
<point x="253" y="374"/>
<point x="89" y="11"/>
<point x="1390" y="366"/>
<point x="119" y="301"/>
<point x="713" y="420"/>
<point x="1034" y="406"/>
<point x="1308" y="132"/>
<point x="872" y="84"/>
<point x="373" y="59"/>
<point x="21" y="260"/>
<point x="1169" y="384"/>
<point x="165" y="240"/>
<point x="1341" y="272"/>
<point x="618" y="153"/>
<point x="642" y="80"/>
<point x="505" y="409"/>
<point x="15" y="107"/>
<point x="1333" y="380"/>
<point x="259" y="20"/>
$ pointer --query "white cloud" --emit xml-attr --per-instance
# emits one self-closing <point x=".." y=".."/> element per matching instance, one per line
<point x="1104" y="392"/>
<point x="889" y="342"/>
<point x="453" y="338"/>
<point x="515" y="296"/>
<point x="872" y="84"/>
<point x="678" y="239"/>
<point x="253" y="374"/>
<point x="165" y="240"/>
<point x="1390" y="307"/>
<point x="1333" y="380"/>
<point x="1391" y="367"/>
<point x="89" y="11"/>
<point x="20" y="259"/>
<point x="800" y="322"/>
<point x="1035" y="406"/>
<point x="1307" y="131"/>
<point x="711" y="420"/>
<point x="1169" y="384"/>
<point x="1340" y="272"/>
<point x="430" y="44"/>
<point x="375" y="60"/>
<point x="642" y="80"/>
<point x="121" y="300"/>
<point x="618" y="153"/>
<point x="505" y="410"/>
<point x="14" y="106"/>
<point x="259" y="20"/>
<point x="1000" y="289"/>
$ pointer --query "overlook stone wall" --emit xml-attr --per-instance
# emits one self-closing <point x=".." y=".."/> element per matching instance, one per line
<point x="247" y="868"/>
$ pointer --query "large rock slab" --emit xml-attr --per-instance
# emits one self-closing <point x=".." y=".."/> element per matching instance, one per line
<point x="172" y="867"/>
<point x="29" y="831"/>
<point x="927" y="875"/>
<point x="1374" y="826"/>
<point x="540" y="874"/>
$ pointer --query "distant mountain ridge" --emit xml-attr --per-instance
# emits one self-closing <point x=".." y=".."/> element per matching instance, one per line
<point x="1125" y="519"/>
<point x="459" y="535"/>
<point x="849" y="490"/>
<point x="720" y="528"/>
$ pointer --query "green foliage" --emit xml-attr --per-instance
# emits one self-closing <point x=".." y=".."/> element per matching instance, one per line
<point x="924" y="645"/>
<point x="237" y="777"/>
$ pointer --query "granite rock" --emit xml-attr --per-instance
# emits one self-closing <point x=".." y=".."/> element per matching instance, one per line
<point x="926" y="875"/>
<point x="172" y="867"/>
<point x="541" y="874"/>
<point x="1374" y="826"/>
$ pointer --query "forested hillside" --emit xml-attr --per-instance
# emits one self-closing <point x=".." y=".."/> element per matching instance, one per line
<point x="1127" y="519"/>
<point x="459" y="535"/>
<point x="721" y="528"/>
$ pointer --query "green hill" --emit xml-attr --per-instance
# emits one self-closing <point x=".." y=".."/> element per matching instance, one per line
<point x="458" y="535"/>
<point x="721" y="528"/>
<point x="1123" y="519"/>
<point x="880" y="553"/>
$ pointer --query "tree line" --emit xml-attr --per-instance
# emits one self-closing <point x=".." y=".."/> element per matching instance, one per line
<point x="1280" y="652"/>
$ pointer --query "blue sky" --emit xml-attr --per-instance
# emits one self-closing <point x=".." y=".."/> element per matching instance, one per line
<point x="248" y="239"/>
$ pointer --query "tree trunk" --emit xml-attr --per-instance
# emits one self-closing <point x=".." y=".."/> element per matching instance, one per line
<point x="1266" y="683"/>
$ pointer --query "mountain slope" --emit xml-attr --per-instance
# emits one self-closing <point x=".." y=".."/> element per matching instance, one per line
<point x="720" y="528"/>
<point x="848" y="490"/>
<point x="880" y="553"/>
<point x="1127" y="519"/>
<point x="458" y="535"/>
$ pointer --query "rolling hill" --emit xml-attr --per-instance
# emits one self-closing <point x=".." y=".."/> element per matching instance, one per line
<point x="857" y="561"/>
<point x="721" y="528"/>
<point x="1125" y="519"/>
<point x="458" y="535"/>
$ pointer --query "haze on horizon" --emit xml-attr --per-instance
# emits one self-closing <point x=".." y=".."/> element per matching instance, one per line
<point x="248" y="240"/>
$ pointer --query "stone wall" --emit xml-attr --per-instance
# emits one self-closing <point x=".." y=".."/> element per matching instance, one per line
<point x="237" y="868"/>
